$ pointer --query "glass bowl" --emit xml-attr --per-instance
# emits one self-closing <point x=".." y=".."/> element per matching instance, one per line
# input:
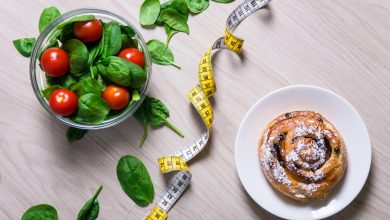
<point x="38" y="78"/>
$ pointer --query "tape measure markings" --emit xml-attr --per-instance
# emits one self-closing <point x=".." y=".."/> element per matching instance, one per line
<point x="199" y="98"/>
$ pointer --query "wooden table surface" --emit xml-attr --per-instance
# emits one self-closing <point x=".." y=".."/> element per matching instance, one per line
<point x="340" y="45"/>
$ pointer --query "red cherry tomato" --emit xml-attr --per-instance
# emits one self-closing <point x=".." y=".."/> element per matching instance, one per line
<point x="88" y="31"/>
<point x="63" y="102"/>
<point x="133" y="55"/>
<point x="55" y="62"/>
<point x="117" y="97"/>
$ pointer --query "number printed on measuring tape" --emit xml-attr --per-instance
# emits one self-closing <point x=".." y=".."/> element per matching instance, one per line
<point x="199" y="97"/>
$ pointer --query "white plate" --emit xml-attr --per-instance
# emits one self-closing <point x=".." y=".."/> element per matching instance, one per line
<point x="338" y="111"/>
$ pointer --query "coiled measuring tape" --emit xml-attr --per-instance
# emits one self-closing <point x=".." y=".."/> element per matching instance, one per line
<point x="199" y="97"/>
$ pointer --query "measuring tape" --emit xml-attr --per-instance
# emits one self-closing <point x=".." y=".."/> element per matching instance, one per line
<point x="199" y="97"/>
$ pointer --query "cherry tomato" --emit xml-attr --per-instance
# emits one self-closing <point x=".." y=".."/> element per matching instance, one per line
<point x="55" y="62"/>
<point x="63" y="102"/>
<point x="117" y="97"/>
<point x="88" y="31"/>
<point x="133" y="55"/>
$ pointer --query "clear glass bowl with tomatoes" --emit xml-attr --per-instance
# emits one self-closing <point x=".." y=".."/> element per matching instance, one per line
<point x="90" y="69"/>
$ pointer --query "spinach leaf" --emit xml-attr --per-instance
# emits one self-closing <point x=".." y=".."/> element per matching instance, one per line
<point x="24" y="46"/>
<point x="223" y="1"/>
<point x="140" y="115"/>
<point x="127" y="30"/>
<point x="160" y="53"/>
<point x="135" y="96"/>
<point x="90" y="210"/>
<point x="75" y="19"/>
<point x="115" y="69"/>
<point x="149" y="12"/>
<point x="122" y="72"/>
<point x="75" y="134"/>
<point x="181" y="7"/>
<point x="197" y="6"/>
<point x="92" y="109"/>
<point x="175" y="20"/>
<point x="112" y="40"/>
<point x="63" y="81"/>
<point x="170" y="32"/>
<point x="87" y="85"/>
<point x="95" y="52"/>
<point x="47" y="16"/>
<point x="67" y="32"/>
<point x="128" y="42"/>
<point x="40" y="212"/>
<point x="157" y="114"/>
<point x="78" y="56"/>
<point x="49" y="90"/>
<point x="135" y="180"/>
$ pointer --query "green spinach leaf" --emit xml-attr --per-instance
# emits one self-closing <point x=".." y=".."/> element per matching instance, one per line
<point x="149" y="12"/>
<point x="180" y="6"/>
<point x="197" y="6"/>
<point x="67" y="33"/>
<point x="160" y="53"/>
<point x="49" y="90"/>
<point x="24" y="46"/>
<point x="135" y="180"/>
<point x="40" y="212"/>
<point x="75" y="19"/>
<point x="140" y="115"/>
<point x="87" y="85"/>
<point x="78" y="56"/>
<point x="157" y="114"/>
<point x="64" y="81"/>
<point x="128" y="42"/>
<point x="175" y="20"/>
<point x="90" y="210"/>
<point x="127" y="30"/>
<point x="75" y="134"/>
<point x="47" y="16"/>
<point x="92" y="109"/>
<point x="112" y="40"/>
<point x="122" y="72"/>
<point x="223" y="1"/>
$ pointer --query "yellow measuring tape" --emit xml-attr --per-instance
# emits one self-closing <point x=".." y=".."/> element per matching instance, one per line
<point x="199" y="98"/>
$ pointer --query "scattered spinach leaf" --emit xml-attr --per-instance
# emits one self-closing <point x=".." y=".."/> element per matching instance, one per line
<point x="40" y="212"/>
<point x="78" y="56"/>
<point x="112" y="40"/>
<point x="24" y="46"/>
<point x="175" y="20"/>
<point x="149" y="12"/>
<point x="47" y="16"/>
<point x="197" y="6"/>
<point x="90" y="210"/>
<point x="140" y="115"/>
<point x="157" y="114"/>
<point x="223" y="1"/>
<point x="160" y="53"/>
<point x="75" y="134"/>
<point x="135" y="180"/>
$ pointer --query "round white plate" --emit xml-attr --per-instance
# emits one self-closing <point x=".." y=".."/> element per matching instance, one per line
<point x="338" y="111"/>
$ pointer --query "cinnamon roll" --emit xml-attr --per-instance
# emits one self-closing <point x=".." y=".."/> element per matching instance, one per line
<point x="302" y="155"/>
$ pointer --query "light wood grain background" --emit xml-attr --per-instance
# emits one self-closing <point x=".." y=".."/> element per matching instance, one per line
<point x="340" y="45"/>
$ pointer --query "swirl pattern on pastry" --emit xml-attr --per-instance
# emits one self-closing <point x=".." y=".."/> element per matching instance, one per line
<point x="302" y="155"/>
